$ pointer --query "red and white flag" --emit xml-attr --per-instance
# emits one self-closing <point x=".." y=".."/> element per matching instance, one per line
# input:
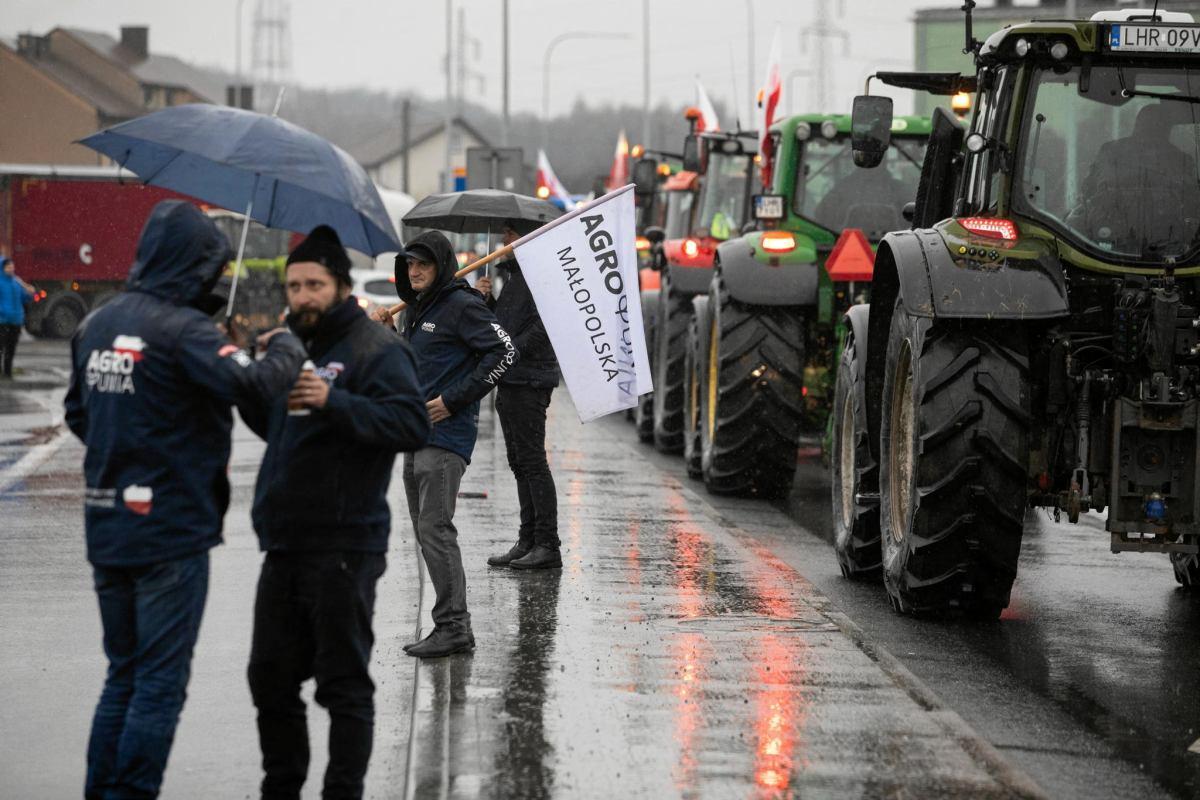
<point x="708" y="114"/>
<point x="768" y="101"/>
<point x="618" y="174"/>
<point x="549" y="181"/>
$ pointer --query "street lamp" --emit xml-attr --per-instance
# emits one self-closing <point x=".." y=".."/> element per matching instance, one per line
<point x="555" y="42"/>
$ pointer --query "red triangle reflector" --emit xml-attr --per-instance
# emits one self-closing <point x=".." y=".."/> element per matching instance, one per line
<point x="852" y="258"/>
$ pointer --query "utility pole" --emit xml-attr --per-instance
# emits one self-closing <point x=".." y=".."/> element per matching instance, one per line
<point x="750" y="80"/>
<point x="820" y="34"/>
<point x="504" y="73"/>
<point x="645" y="73"/>
<point x="448" y="120"/>
<point x="405" y="141"/>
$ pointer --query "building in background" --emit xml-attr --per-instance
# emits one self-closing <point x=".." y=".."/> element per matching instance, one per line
<point x="384" y="156"/>
<point x="63" y="85"/>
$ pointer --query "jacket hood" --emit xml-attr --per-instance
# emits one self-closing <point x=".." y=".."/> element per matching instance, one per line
<point x="180" y="255"/>
<point x="430" y="242"/>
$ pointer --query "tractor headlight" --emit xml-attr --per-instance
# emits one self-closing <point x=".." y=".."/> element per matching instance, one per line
<point x="1022" y="47"/>
<point x="1059" y="50"/>
<point x="829" y="129"/>
<point x="803" y="131"/>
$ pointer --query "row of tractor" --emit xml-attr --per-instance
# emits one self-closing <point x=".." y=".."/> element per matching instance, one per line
<point x="968" y="319"/>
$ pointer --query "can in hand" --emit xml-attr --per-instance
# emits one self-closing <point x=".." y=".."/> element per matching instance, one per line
<point x="296" y="409"/>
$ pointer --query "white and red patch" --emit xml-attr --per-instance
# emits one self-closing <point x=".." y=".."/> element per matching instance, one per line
<point x="138" y="499"/>
<point x="227" y="350"/>
<point x="131" y="346"/>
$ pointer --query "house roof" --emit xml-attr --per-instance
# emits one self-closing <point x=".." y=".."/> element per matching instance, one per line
<point x="155" y="70"/>
<point x="105" y="99"/>
<point x="386" y="144"/>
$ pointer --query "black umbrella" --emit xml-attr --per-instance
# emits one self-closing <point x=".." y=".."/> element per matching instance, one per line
<point x="480" y="211"/>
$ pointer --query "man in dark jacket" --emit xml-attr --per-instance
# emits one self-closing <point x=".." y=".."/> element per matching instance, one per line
<point x="521" y="403"/>
<point x="150" y="395"/>
<point x="321" y="514"/>
<point x="462" y="354"/>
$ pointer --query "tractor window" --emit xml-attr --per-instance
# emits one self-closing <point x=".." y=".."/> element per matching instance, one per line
<point x="1111" y="162"/>
<point x="723" y="198"/>
<point x="834" y="193"/>
<point x="983" y="172"/>
<point x="679" y="214"/>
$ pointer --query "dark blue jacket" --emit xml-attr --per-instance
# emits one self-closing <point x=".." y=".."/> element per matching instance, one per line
<point x="13" y="298"/>
<point x="152" y="384"/>
<point x="462" y="352"/>
<point x="324" y="479"/>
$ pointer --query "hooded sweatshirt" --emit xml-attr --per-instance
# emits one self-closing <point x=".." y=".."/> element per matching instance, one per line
<point x="462" y="352"/>
<point x="13" y="298"/>
<point x="152" y="384"/>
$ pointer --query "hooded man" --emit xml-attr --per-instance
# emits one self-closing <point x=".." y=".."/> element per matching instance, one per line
<point x="15" y="294"/>
<point x="521" y="404"/>
<point x="321" y="514"/>
<point x="462" y="354"/>
<point x="150" y="394"/>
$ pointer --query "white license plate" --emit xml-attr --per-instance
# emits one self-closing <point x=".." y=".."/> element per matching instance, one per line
<point x="768" y="206"/>
<point x="1154" y="39"/>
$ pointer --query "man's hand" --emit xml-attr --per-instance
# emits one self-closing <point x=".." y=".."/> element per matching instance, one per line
<point x="437" y="409"/>
<point x="383" y="315"/>
<point x="263" y="338"/>
<point x="309" y="391"/>
<point x="484" y="286"/>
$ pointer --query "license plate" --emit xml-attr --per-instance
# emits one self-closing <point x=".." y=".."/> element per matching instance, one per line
<point x="1154" y="39"/>
<point x="768" y="206"/>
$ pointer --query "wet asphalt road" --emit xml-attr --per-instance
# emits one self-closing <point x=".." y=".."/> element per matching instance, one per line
<point x="691" y="646"/>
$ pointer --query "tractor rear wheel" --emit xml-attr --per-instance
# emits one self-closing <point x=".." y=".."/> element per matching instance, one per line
<point x="694" y="385"/>
<point x="1187" y="570"/>
<point x="670" y="346"/>
<point x="854" y="474"/>
<point x="752" y="413"/>
<point x="643" y="412"/>
<point x="954" y="454"/>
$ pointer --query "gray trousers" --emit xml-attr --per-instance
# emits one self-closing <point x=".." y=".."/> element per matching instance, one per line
<point x="431" y="479"/>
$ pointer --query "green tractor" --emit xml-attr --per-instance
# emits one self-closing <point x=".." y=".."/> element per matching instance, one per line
<point x="764" y="341"/>
<point x="1032" y="340"/>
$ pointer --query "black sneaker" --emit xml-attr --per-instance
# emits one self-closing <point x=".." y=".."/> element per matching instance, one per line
<point x="443" y="642"/>
<point x="516" y="551"/>
<point x="538" y="558"/>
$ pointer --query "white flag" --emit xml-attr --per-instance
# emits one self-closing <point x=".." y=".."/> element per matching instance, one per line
<point x="708" y="114"/>
<point x="582" y="272"/>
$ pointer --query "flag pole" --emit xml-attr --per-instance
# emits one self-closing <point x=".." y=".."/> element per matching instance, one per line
<point x="467" y="270"/>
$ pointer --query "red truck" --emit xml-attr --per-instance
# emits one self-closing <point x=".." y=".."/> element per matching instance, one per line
<point x="72" y="232"/>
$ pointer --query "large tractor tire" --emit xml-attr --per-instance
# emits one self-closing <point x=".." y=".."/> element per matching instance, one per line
<point x="63" y="314"/>
<point x="670" y="347"/>
<point x="854" y="474"/>
<point x="954" y="455"/>
<point x="750" y="430"/>
<point x="694" y="387"/>
<point x="643" y="412"/>
<point x="1187" y="570"/>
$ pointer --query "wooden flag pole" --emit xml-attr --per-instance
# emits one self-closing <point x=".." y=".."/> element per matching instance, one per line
<point x="469" y="268"/>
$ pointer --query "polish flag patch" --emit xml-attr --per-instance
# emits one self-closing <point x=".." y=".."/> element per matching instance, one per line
<point x="138" y="499"/>
<point x="131" y="346"/>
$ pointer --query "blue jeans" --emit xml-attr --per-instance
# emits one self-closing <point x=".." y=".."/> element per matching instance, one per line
<point x="151" y="617"/>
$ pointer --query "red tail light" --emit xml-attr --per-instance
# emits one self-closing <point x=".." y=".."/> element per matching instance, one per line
<point x="690" y="248"/>
<point x="991" y="227"/>
<point x="778" y="242"/>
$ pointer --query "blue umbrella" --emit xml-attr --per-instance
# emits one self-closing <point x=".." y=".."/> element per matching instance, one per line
<point x="278" y="173"/>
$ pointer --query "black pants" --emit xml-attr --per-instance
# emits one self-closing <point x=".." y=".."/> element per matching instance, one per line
<point x="522" y="412"/>
<point x="9" y="336"/>
<point x="312" y="618"/>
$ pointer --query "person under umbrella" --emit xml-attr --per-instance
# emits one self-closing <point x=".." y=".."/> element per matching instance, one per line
<point x="521" y="404"/>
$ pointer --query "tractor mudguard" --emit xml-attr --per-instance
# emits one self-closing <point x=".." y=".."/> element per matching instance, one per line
<point x="997" y="284"/>
<point x="858" y="320"/>
<point x="752" y="282"/>
<point x="689" y="280"/>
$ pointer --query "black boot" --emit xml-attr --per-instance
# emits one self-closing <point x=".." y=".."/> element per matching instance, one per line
<point x="444" y="641"/>
<point x="428" y="636"/>
<point x="538" y="558"/>
<point x="516" y="551"/>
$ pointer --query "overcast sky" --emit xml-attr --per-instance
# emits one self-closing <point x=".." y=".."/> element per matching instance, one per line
<point x="399" y="44"/>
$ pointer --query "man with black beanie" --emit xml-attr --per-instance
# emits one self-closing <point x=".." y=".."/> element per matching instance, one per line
<point x="321" y="515"/>
<point x="462" y="354"/>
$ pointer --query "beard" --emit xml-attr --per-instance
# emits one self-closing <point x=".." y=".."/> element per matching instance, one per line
<point x="304" y="323"/>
